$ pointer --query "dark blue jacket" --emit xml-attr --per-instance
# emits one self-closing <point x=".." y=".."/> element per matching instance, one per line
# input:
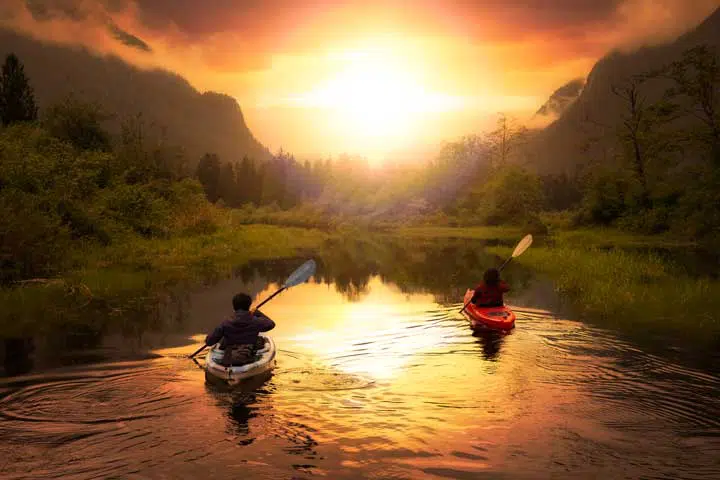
<point x="241" y="329"/>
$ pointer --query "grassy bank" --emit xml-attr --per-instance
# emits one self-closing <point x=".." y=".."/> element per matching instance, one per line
<point x="600" y="238"/>
<point x="636" y="292"/>
<point x="478" y="233"/>
<point x="131" y="283"/>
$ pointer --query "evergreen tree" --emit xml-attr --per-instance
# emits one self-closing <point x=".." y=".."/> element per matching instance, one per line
<point x="17" y="102"/>
<point x="228" y="185"/>
<point x="208" y="172"/>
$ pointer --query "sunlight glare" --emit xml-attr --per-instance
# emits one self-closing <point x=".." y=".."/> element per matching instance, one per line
<point x="376" y="98"/>
<point x="369" y="337"/>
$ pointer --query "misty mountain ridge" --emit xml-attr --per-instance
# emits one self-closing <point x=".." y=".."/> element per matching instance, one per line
<point x="562" y="98"/>
<point x="197" y="122"/>
<point x="596" y="113"/>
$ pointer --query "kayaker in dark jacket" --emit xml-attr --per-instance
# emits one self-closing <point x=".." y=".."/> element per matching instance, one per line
<point x="238" y="335"/>
<point x="490" y="291"/>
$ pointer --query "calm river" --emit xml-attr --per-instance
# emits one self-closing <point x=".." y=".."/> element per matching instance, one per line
<point x="378" y="376"/>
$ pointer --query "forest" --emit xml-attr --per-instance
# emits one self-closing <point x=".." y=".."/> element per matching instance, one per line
<point x="65" y="180"/>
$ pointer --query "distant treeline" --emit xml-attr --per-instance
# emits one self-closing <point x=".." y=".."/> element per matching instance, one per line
<point x="660" y="171"/>
<point x="282" y="180"/>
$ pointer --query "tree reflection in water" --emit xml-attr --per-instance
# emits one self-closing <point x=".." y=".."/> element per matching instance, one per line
<point x="444" y="268"/>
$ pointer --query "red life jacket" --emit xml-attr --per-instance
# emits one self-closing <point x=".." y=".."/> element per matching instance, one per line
<point x="486" y="295"/>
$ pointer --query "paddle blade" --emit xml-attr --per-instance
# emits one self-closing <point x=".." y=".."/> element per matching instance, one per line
<point x="305" y="271"/>
<point x="522" y="246"/>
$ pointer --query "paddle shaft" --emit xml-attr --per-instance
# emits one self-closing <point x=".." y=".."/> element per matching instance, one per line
<point x="269" y="298"/>
<point x="505" y="264"/>
<point x="198" y="351"/>
<point x="298" y="276"/>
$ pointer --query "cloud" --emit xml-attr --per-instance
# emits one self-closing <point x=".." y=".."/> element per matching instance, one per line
<point x="644" y="22"/>
<point x="128" y="39"/>
<point x="516" y="47"/>
<point x="261" y="28"/>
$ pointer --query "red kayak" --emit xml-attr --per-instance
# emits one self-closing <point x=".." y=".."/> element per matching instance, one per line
<point x="496" y="318"/>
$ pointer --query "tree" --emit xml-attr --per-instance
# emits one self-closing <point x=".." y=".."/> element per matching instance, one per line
<point x="639" y="129"/>
<point x="503" y="141"/>
<point x="697" y="76"/>
<point x="17" y="101"/>
<point x="146" y="153"/>
<point x="228" y="185"/>
<point x="208" y="172"/>
<point x="561" y="191"/>
<point x="511" y="195"/>
<point x="78" y="124"/>
<point x="249" y="181"/>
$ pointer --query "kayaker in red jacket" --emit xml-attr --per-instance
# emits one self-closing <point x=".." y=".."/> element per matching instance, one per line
<point x="490" y="291"/>
<point x="238" y="335"/>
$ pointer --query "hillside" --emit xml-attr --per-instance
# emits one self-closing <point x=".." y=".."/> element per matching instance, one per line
<point x="596" y="112"/>
<point x="198" y="122"/>
<point x="562" y="98"/>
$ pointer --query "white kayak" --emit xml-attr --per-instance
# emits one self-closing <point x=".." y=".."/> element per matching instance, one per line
<point x="264" y="361"/>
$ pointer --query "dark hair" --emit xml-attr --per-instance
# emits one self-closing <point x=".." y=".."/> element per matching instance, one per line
<point x="242" y="301"/>
<point x="491" y="277"/>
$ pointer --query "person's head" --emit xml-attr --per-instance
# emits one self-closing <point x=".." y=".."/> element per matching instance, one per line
<point x="242" y="301"/>
<point x="491" y="276"/>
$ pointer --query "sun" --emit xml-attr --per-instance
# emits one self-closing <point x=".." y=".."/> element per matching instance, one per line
<point x="375" y="99"/>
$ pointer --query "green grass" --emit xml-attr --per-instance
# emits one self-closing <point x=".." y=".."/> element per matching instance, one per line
<point x="131" y="280"/>
<point x="608" y="237"/>
<point x="613" y="279"/>
<point x="479" y="233"/>
<point x="637" y="293"/>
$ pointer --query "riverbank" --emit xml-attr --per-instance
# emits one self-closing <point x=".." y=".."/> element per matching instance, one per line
<point x="614" y="279"/>
<point x="136" y="281"/>
<point x="622" y="282"/>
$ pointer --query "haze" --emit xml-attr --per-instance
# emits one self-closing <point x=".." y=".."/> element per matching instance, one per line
<point x="365" y="77"/>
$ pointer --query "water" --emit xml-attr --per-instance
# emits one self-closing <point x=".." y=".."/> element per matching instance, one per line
<point x="373" y="381"/>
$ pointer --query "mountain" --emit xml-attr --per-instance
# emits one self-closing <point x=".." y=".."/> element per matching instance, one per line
<point x="562" y="98"/>
<point x="596" y="114"/>
<point x="198" y="122"/>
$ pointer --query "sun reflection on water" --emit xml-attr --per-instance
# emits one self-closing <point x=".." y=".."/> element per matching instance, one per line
<point x="376" y="335"/>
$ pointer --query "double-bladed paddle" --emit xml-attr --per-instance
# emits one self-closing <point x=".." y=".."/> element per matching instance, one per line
<point x="300" y="275"/>
<point x="520" y="248"/>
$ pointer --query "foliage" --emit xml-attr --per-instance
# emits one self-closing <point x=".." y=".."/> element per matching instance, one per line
<point x="208" y="173"/>
<point x="145" y="153"/>
<point x="57" y="196"/>
<point x="17" y="101"/>
<point x="79" y="124"/>
<point x="503" y="142"/>
<point x="640" y="135"/>
<point x="561" y="191"/>
<point x="697" y="77"/>
<point x="477" y="233"/>
<point x="126" y="284"/>
<point x="512" y="195"/>
<point x="631" y="291"/>
<point x="605" y="196"/>
<point x="668" y="173"/>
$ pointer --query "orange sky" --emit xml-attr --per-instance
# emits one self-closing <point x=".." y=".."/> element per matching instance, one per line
<point x="368" y="77"/>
